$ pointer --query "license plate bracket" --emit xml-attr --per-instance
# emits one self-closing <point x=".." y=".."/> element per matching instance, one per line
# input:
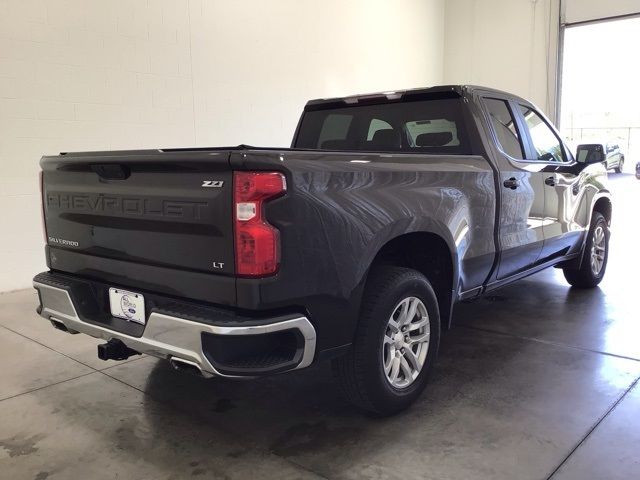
<point x="127" y="305"/>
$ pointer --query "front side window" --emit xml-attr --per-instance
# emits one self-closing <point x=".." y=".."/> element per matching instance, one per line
<point x="545" y="142"/>
<point x="505" y="127"/>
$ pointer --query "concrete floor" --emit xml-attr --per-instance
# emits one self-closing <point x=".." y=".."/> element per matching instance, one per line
<point x="538" y="381"/>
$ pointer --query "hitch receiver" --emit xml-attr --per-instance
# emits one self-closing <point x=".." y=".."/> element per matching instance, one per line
<point x="115" y="349"/>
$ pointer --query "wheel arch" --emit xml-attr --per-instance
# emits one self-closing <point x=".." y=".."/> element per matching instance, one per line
<point x="432" y="255"/>
<point x="603" y="205"/>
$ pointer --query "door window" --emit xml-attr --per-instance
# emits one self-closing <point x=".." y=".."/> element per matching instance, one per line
<point x="546" y="144"/>
<point x="505" y="127"/>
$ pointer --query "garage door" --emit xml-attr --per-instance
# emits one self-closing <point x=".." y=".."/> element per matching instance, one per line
<point x="576" y="11"/>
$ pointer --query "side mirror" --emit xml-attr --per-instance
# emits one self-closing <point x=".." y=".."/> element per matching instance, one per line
<point x="590" y="153"/>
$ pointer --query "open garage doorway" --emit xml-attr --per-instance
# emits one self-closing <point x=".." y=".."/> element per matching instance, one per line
<point x="600" y="100"/>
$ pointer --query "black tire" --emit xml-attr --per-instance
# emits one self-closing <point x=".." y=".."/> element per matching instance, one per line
<point x="585" y="277"/>
<point x="360" y="372"/>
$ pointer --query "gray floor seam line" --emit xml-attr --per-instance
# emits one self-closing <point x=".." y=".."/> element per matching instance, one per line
<point x="132" y="386"/>
<point x="301" y="467"/>
<point x="593" y="428"/>
<point x="549" y="342"/>
<point x="50" y="348"/>
<point x="47" y="386"/>
<point x="64" y="354"/>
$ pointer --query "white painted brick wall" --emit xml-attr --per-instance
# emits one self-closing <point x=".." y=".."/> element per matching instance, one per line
<point x="116" y="74"/>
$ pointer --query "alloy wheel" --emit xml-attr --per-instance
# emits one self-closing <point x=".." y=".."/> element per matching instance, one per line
<point x="406" y="342"/>
<point x="598" y="250"/>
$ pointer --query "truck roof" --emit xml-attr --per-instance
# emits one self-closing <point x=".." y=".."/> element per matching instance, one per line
<point x="438" y="91"/>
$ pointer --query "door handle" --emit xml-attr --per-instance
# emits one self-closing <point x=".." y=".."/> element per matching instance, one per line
<point x="512" y="183"/>
<point x="551" y="181"/>
<point x="575" y="189"/>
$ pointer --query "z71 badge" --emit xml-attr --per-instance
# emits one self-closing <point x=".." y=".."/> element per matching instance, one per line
<point x="213" y="183"/>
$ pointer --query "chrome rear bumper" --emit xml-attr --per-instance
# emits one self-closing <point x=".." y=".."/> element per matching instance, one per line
<point x="171" y="337"/>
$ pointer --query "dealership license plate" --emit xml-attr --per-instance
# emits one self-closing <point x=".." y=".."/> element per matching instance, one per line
<point x="127" y="305"/>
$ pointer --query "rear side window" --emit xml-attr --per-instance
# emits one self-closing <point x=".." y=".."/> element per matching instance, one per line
<point x="505" y="127"/>
<point x="546" y="144"/>
<point x="421" y="126"/>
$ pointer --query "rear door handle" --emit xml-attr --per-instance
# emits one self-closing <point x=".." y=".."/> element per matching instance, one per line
<point x="551" y="181"/>
<point x="512" y="183"/>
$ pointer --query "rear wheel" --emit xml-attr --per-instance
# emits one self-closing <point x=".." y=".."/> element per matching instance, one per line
<point x="594" y="257"/>
<point x="396" y="342"/>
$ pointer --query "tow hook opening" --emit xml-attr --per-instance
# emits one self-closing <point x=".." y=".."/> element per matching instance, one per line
<point x="115" y="349"/>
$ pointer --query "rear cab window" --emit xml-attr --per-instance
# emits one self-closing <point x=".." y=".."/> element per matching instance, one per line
<point x="421" y="126"/>
<point x="335" y="129"/>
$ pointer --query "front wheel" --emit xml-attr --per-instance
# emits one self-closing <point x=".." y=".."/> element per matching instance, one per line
<point x="396" y="342"/>
<point x="594" y="257"/>
<point x="620" y="166"/>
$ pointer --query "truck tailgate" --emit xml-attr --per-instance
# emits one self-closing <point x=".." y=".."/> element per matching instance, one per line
<point x="167" y="210"/>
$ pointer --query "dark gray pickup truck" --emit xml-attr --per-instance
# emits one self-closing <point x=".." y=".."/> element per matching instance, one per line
<point x="352" y="245"/>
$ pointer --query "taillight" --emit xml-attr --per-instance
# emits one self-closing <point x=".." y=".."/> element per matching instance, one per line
<point x="257" y="242"/>
<point x="44" y="225"/>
